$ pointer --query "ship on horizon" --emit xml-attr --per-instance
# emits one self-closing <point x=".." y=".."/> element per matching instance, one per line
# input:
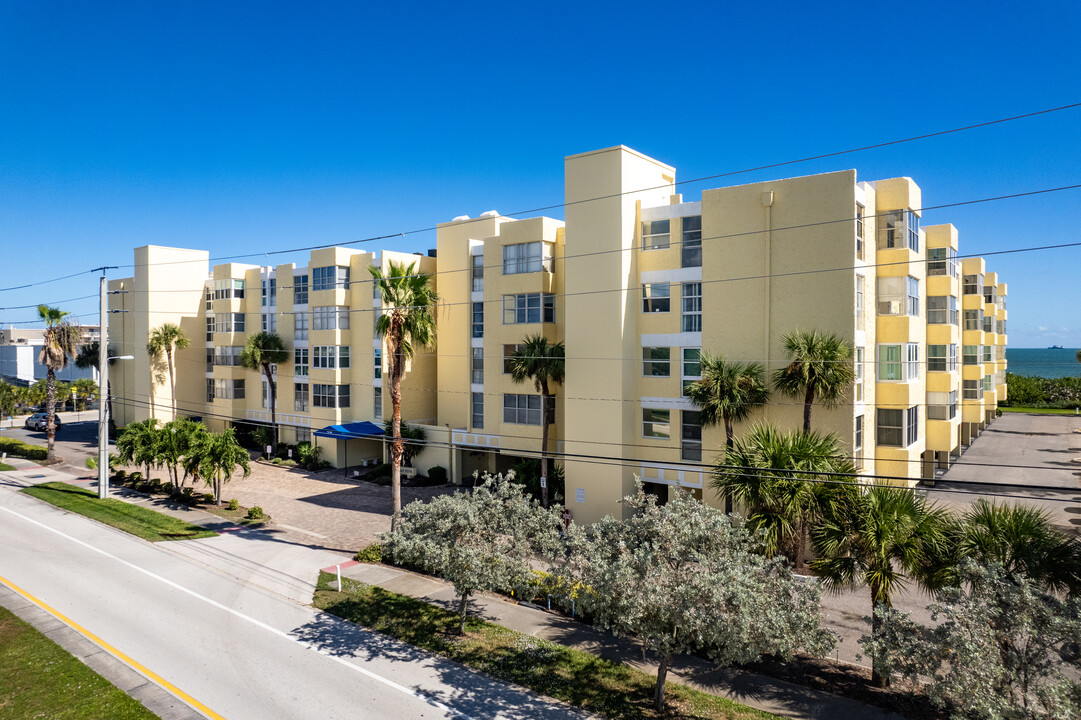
<point x="1055" y="347"/>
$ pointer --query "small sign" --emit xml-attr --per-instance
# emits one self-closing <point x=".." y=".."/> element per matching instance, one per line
<point x="580" y="495"/>
<point x="544" y="482"/>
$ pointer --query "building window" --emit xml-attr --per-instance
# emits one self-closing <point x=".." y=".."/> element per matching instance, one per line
<point x="942" y="310"/>
<point x="860" y="281"/>
<point x="478" y="273"/>
<point x="692" y="307"/>
<point x="529" y="308"/>
<point x="300" y="289"/>
<point x="691" y="252"/>
<point x="656" y="297"/>
<point x="941" y="358"/>
<point x="229" y="389"/>
<point x="209" y="297"/>
<point x="527" y="258"/>
<point x="300" y="396"/>
<point x="988" y="324"/>
<point x="656" y="423"/>
<point x="300" y="362"/>
<point x="229" y="322"/>
<point x="509" y="351"/>
<point x="898" y="363"/>
<point x="898" y="428"/>
<point x="522" y="409"/>
<point x="971" y="389"/>
<point x="330" y="396"/>
<point x="209" y="390"/>
<point x="990" y="294"/>
<point x="228" y="288"/>
<point x="899" y="296"/>
<point x="304" y="435"/>
<point x="210" y="359"/>
<point x="857" y="442"/>
<point x="270" y="322"/>
<point x="300" y="326"/>
<point x="971" y="355"/>
<point x="655" y="235"/>
<point x="478" y="319"/>
<point x="973" y="284"/>
<point x="330" y="318"/>
<point x="227" y="355"/>
<point x="266" y="395"/>
<point x="942" y="405"/>
<point x="330" y="356"/>
<point x="692" y="367"/>
<point x="656" y="361"/>
<point x="941" y="261"/>
<point x="210" y="325"/>
<point x="973" y="319"/>
<point x="913" y="231"/>
<point x="377" y="404"/>
<point x="859" y="231"/>
<point x="690" y="436"/>
<point x="270" y="292"/>
<point x="987" y="353"/>
<point x="377" y="361"/>
<point x="859" y="374"/>
<point x="478" y="366"/>
<point x="477" y="403"/>
<point x="334" y="277"/>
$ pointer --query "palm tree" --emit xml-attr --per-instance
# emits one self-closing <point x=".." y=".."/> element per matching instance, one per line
<point x="408" y="320"/>
<point x="61" y="342"/>
<point x="164" y="340"/>
<point x="1023" y="541"/>
<point x="543" y="363"/>
<point x="139" y="444"/>
<point x="215" y="457"/>
<point x="821" y="368"/>
<point x="9" y="398"/>
<point x="777" y="475"/>
<point x="881" y="538"/>
<point x="86" y="390"/>
<point x="263" y="350"/>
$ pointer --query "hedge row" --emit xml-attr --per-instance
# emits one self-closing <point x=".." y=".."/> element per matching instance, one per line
<point x="17" y="448"/>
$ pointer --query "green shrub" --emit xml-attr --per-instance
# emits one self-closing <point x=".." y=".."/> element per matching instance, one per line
<point x="371" y="554"/>
<point x="234" y="504"/>
<point x="17" y="448"/>
<point x="120" y="475"/>
<point x="379" y="471"/>
<point x="135" y="477"/>
<point x="437" y="474"/>
<point x="287" y="463"/>
<point x="167" y="488"/>
<point x="208" y="497"/>
<point x="255" y="513"/>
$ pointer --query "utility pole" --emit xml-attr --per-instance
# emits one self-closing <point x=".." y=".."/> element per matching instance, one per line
<point x="103" y="405"/>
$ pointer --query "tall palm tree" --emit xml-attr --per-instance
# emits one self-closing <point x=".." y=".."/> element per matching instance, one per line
<point x="543" y="363"/>
<point x="1023" y="540"/>
<point x="262" y="350"/>
<point x="820" y="367"/>
<point x="215" y="457"/>
<point x="166" y="339"/>
<point x="408" y="320"/>
<point x="777" y="476"/>
<point x="881" y="538"/>
<point x="62" y="340"/>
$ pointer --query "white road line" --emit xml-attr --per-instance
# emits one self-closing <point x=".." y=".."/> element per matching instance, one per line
<point x="300" y="530"/>
<point x="258" y="623"/>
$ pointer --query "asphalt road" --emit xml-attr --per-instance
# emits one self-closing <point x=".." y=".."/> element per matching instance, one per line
<point x="235" y="648"/>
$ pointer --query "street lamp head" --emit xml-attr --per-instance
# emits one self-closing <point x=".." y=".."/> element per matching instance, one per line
<point x="121" y="357"/>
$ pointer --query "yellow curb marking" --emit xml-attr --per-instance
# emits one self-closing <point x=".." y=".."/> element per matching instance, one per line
<point x="110" y="649"/>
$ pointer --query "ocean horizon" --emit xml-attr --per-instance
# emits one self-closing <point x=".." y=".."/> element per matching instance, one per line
<point x="1043" y="362"/>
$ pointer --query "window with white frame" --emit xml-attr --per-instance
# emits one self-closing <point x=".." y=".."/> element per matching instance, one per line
<point x="527" y="258"/>
<point x="857" y="441"/>
<point x="229" y="322"/>
<point x="972" y="284"/>
<point x="860" y="281"/>
<point x="300" y="362"/>
<point x="478" y="366"/>
<point x="300" y="397"/>
<point x="334" y="277"/>
<point x="971" y="389"/>
<point x="913" y="226"/>
<point x="227" y="355"/>
<point x="898" y="295"/>
<point x="300" y="289"/>
<point x="941" y="261"/>
<point x="691" y="250"/>
<point x="478" y="272"/>
<point x="229" y="389"/>
<point x="970" y="354"/>
<point x="270" y="292"/>
<point x="209" y="390"/>
<point x="377" y="362"/>
<point x="898" y="362"/>
<point x="266" y="394"/>
<point x="656" y="423"/>
<point x="692" y="307"/>
<point x="522" y="409"/>
<point x="897" y="427"/>
<point x="210" y="325"/>
<point x="304" y="435"/>
<point x="942" y="310"/>
<point x="270" y="322"/>
<point x="210" y="359"/>
<point x="377" y="404"/>
<point x="973" y="319"/>
<point x="656" y="297"/>
<point x="691" y="366"/>
<point x="941" y="358"/>
<point x="300" y="326"/>
<point x="478" y="319"/>
<point x="655" y="234"/>
<point x="330" y="356"/>
<point x="529" y="308"/>
<point x="330" y="396"/>
<point x="477" y="407"/>
<point x="988" y="324"/>
<point x="987" y="380"/>
<point x="228" y="288"/>
<point x="690" y="435"/>
<point x="330" y="318"/>
<point x="859" y="231"/>
<point x="656" y="361"/>
<point x="209" y="297"/>
<point x="859" y="374"/>
<point x="942" y="405"/>
<point x="987" y="349"/>
<point x="913" y="297"/>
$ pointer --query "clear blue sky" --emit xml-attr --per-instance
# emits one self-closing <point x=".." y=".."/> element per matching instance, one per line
<point x="247" y="126"/>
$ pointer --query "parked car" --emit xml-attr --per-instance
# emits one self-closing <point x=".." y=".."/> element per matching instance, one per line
<point x="38" y="421"/>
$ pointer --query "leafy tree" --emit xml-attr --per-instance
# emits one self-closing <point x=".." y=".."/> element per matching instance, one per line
<point x="527" y="472"/>
<point x="60" y="344"/>
<point x="408" y="319"/>
<point x="413" y="439"/>
<point x="999" y="648"/>
<point x="684" y="577"/>
<point x="89" y="357"/>
<point x="882" y="538"/>
<point x="262" y="350"/>
<point x="543" y="363"/>
<point x="166" y="339"/>
<point x="481" y="540"/>
<point x="9" y="398"/>
<point x="821" y="367"/>
<point x="85" y="390"/>
<point x="176" y="439"/>
<point x="1023" y="540"/>
<point x="214" y="457"/>
<point x="139" y="444"/>
<point x="776" y="475"/>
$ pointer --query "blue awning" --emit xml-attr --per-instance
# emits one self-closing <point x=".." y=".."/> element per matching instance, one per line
<point x="352" y="431"/>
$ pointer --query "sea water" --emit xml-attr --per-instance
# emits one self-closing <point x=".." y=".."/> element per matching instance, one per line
<point x="1043" y="362"/>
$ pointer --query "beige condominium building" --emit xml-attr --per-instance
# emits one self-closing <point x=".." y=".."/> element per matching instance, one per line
<point x="637" y="283"/>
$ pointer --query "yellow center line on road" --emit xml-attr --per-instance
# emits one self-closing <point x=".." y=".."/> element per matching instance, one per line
<point x="154" y="677"/>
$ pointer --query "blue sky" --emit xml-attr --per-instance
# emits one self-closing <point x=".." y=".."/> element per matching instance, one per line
<point x="242" y="126"/>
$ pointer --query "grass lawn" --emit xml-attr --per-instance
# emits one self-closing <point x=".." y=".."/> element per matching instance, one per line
<point x="39" y="679"/>
<point x="1039" y="411"/>
<point x="139" y="521"/>
<point x="5" y="466"/>
<point x="600" y="686"/>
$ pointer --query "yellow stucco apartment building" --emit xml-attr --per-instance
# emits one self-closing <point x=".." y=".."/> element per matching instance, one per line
<point x="637" y="283"/>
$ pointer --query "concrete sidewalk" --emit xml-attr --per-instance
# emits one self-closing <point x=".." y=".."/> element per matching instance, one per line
<point x="757" y="691"/>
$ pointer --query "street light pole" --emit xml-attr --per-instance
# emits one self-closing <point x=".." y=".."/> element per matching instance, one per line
<point x="103" y="405"/>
